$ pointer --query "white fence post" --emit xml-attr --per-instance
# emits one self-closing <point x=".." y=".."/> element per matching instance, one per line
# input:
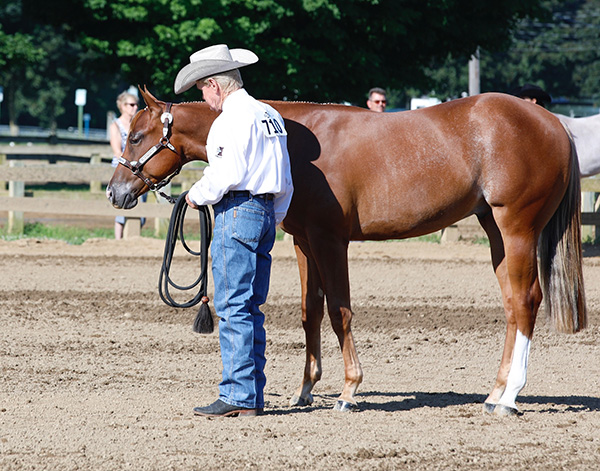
<point x="161" y="225"/>
<point x="16" y="223"/>
<point x="133" y="227"/>
<point x="2" y="163"/>
<point x="588" y="200"/>
<point x="95" y="186"/>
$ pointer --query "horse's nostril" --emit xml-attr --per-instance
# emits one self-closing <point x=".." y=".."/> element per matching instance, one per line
<point x="109" y="193"/>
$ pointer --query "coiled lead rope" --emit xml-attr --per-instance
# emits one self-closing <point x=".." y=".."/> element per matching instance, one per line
<point x="204" y="322"/>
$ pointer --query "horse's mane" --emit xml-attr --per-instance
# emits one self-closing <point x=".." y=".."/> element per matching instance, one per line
<point x="280" y="101"/>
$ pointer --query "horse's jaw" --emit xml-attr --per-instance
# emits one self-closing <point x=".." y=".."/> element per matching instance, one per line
<point x="121" y="198"/>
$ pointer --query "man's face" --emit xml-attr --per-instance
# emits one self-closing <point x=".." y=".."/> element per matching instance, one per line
<point x="376" y="102"/>
<point x="210" y="93"/>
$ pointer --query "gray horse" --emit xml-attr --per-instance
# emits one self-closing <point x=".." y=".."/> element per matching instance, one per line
<point x="586" y="132"/>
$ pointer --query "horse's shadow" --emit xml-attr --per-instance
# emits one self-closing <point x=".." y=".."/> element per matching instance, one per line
<point x="414" y="400"/>
<point x="407" y="401"/>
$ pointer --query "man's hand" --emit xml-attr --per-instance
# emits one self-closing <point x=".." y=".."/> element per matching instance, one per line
<point x="190" y="203"/>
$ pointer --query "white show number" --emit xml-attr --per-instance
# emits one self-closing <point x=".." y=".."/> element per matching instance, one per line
<point x="272" y="127"/>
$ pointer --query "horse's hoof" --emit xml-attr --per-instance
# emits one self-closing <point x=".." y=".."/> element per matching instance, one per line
<point x="345" y="406"/>
<point x="301" y="401"/>
<point x="505" y="411"/>
<point x="488" y="407"/>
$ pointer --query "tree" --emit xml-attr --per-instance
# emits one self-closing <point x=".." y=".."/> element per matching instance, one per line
<point x="557" y="51"/>
<point x="322" y="50"/>
<point x="319" y="50"/>
<point x="18" y="52"/>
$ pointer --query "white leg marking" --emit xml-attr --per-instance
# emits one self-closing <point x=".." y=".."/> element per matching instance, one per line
<point x="517" y="376"/>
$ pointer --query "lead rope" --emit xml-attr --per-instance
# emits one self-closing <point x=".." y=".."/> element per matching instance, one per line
<point x="203" y="323"/>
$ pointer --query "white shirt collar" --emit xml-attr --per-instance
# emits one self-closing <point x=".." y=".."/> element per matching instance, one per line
<point x="234" y="98"/>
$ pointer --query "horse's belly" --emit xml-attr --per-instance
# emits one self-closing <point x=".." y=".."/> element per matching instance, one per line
<point x="412" y="214"/>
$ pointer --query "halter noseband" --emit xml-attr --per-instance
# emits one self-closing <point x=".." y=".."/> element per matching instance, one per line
<point x="136" y="166"/>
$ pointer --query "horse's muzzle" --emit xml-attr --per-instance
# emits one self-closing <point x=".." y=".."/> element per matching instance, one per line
<point x="121" y="199"/>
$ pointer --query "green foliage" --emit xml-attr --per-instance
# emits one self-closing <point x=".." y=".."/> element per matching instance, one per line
<point x="319" y="50"/>
<point x="557" y="50"/>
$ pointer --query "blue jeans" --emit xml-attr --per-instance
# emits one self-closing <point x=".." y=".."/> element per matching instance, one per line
<point x="244" y="234"/>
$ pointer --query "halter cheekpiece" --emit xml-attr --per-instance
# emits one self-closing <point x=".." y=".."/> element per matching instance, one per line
<point x="136" y="165"/>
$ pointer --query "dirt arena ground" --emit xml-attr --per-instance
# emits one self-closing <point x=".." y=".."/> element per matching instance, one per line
<point x="98" y="374"/>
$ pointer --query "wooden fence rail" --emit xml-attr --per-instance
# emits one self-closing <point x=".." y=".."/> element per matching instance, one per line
<point x="18" y="173"/>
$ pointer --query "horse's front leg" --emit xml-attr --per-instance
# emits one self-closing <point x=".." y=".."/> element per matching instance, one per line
<point x="341" y="318"/>
<point x="332" y="260"/>
<point x="312" y="316"/>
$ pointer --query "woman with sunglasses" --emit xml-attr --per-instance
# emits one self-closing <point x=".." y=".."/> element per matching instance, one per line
<point x="119" y="128"/>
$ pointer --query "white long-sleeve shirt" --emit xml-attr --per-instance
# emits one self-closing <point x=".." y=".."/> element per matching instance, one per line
<point x="247" y="150"/>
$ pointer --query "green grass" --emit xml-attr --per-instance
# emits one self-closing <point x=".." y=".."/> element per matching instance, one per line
<point x="70" y="234"/>
<point x="433" y="238"/>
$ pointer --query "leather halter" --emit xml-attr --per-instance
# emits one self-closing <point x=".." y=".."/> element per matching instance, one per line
<point x="136" y="165"/>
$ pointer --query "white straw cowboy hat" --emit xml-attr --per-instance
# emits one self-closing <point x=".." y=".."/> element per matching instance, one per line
<point x="211" y="61"/>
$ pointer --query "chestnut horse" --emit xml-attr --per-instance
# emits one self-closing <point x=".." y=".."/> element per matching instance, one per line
<point x="360" y="175"/>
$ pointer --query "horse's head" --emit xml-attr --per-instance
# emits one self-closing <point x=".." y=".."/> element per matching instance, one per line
<point x="151" y="155"/>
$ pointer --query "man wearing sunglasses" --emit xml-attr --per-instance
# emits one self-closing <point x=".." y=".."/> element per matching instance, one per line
<point x="377" y="101"/>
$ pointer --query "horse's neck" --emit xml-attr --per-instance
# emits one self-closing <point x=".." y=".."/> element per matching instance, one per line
<point x="194" y="122"/>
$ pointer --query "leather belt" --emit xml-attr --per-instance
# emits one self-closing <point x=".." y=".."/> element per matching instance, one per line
<point x="247" y="194"/>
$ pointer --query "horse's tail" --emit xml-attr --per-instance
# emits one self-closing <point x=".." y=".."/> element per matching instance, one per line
<point x="561" y="258"/>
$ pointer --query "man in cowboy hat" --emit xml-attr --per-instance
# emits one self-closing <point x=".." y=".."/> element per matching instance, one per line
<point x="248" y="181"/>
<point x="533" y="93"/>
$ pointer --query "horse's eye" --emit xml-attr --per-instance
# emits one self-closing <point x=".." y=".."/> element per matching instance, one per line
<point x="135" y="139"/>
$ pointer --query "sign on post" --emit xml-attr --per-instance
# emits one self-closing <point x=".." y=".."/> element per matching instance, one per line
<point x="80" y="96"/>
<point x="80" y="100"/>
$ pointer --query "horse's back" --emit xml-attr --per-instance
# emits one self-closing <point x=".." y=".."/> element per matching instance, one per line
<point x="383" y="175"/>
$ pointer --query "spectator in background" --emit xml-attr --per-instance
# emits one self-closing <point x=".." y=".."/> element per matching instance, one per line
<point x="127" y="103"/>
<point x="377" y="100"/>
<point x="533" y="93"/>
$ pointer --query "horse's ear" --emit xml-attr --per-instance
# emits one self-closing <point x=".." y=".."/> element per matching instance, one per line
<point x="151" y="102"/>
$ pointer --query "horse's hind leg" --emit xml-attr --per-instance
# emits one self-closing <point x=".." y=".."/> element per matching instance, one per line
<point x="526" y="299"/>
<point x="515" y="264"/>
<point x="499" y="264"/>
<point x="520" y="310"/>
<point x="312" y="316"/>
